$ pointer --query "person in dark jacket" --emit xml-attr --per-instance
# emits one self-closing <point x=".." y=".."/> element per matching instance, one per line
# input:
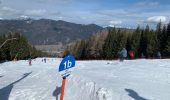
<point x="123" y="54"/>
<point x="45" y="60"/>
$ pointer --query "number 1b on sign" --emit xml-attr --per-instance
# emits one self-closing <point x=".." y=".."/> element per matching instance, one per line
<point x="67" y="64"/>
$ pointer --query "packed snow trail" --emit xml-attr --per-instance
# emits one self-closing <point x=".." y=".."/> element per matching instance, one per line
<point x="90" y="80"/>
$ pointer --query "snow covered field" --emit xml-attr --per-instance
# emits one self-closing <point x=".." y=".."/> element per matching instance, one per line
<point x="90" y="80"/>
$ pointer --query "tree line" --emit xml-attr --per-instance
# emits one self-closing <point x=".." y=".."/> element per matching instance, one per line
<point x="107" y="43"/>
<point x="18" y="48"/>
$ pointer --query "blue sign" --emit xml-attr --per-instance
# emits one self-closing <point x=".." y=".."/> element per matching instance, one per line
<point x="67" y="63"/>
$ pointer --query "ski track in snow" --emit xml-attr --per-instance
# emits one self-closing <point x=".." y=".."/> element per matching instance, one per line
<point x="90" y="80"/>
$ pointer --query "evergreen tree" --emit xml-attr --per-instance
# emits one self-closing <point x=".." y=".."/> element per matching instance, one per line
<point x="108" y="45"/>
<point x="90" y="49"/>
<point x="18" y="48"/>
<point x="152" y="44"/>
<point x="119" y="43"/>
<point x="143" y="41"/>
<point x="128" y="43"/>
<point x="163" y="41"/>
<point x="80" y="54"/>
<point x="135" y="41"/>
<point x="159" y="34"/>
<point x="167" y="48"/>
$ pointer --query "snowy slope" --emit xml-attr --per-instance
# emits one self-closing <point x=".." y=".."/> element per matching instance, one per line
<point x="90" y="80"/>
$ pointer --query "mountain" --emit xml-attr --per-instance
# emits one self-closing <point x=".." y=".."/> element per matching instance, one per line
<point x="47" y="31"/>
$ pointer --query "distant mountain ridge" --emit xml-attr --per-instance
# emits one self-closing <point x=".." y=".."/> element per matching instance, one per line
<point x="47" y="31"/>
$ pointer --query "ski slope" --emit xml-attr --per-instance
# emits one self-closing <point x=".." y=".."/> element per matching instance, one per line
<point x="90" y="80"/>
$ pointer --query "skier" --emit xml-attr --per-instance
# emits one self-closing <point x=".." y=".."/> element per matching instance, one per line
<point x="132" y="54"/>
<point x="30" y="61"/>
<point x="45" y="60"/>
<point x="123" y="54"/>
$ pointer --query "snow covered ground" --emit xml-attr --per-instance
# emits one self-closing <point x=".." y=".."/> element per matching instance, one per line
<point x="90" y="80"/>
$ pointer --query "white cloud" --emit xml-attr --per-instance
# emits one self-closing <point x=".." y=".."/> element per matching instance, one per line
<point x="8" y="9"/>
<point x="156" y="19"/>
<point x="129" y="15"/>
<point x="115" y="23"/>
<point x="37" y="12"/>
<point x="60" y="17"/>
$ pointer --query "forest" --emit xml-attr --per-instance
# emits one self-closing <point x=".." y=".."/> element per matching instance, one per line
<point x="107" y="43"/>
<point x="17" y="48"/>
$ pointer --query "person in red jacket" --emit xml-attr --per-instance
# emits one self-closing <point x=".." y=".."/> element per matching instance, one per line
<point x="30" y="61"/>
<point x="132" y="54"/>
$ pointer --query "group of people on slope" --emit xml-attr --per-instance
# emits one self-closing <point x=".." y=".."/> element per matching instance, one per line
<point x="124" y="53"/>
<point x="30" y="61"/>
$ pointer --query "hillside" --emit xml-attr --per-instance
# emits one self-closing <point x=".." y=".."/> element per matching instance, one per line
<point x="46" y="31"/>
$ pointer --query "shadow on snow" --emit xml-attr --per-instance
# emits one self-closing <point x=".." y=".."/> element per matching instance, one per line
<point x="5" y="92"/>
<point x="56" y="92"/>
<point x="134" y="95"/>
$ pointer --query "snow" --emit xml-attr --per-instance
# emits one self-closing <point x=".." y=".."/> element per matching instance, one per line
<point x="90" y="80"/>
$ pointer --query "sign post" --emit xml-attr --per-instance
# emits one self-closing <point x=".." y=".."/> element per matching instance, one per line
<point x="66" y="64"/>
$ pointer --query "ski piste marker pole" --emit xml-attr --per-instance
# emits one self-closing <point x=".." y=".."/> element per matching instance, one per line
<point x="62" y="88"/>
<point x="65" y="69"/>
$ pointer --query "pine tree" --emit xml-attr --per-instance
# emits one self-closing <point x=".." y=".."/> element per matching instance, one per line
<point x="128" y="43"/>
<point x="115" y="41"/>
<point x="143" y="41"/>
<point x="119" y="42"/>
<point x="18" y="48"/>
<point x="80" y="53"/>
<point x="167" y="48"/>
<point x="108" y="45"/>
<point x="135" y="40"/>
<point x="90" y="49"/>
<point x="163" y="40"/>
<point x="152" y="44"/>
<point x="159" y="34"/>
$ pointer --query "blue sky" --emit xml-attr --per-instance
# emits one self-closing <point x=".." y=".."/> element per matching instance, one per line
<point x="124" y="13"/>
